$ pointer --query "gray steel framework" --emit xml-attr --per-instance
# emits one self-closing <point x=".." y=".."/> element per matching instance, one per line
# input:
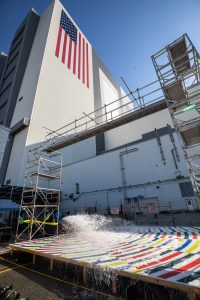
<point x="39" y="210"/>
<point x="178" y="70"/>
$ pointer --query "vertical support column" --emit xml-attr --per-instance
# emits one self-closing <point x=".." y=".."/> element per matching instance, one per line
<point x="191" y="296"/>
<point x="85" y="275"/>
<point x="51" y="265"/>
<point x="160" y="146"/>
<point x="34" y="257"/>
<point x="114" y="286"/>
<point x="106" y="114"/>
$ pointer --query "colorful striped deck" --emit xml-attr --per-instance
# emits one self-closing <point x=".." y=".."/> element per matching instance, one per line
<point x="165" y="253"/>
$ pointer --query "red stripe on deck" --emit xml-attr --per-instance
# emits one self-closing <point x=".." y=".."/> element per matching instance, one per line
<point x="128" y="250"/>
<point x="117" y="247"/>
<point x="194" y="235"/>
<point x="182" y="269"/>
<point x="142" y="254"/>
<point x="155" y="262"/>
<point x="164" y="234"/>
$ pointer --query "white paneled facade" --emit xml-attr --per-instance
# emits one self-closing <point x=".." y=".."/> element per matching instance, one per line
<point x="100" y="178"/>
<point x="54" y="96"/>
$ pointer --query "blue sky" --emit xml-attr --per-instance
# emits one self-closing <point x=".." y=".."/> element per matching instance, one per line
<point x="125" y="33"/>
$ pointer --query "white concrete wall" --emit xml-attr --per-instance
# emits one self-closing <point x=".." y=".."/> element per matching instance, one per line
<point x="18" y="158"/>
<point x="133" y="131"/>
<point x="143" y="166"/>
<point x="28" y="90"/>
<point x="33" y="68"/>
<point x="61" y="96"/>
<point x="125" y="102"/>
<point x="109" y="94"/>
<point x="52" y="95"/>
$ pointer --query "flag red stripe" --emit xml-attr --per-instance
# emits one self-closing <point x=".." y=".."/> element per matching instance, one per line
<point x="64" y="47"/>
<point x="83" y="60"/>
<point x="69" y="53"/>
<point x="74" y="66"/>
<point x="58" y="42"/>
<point x="87" y="65"/>
<point x="194" y="263"/>
<point x="79" y="57"/>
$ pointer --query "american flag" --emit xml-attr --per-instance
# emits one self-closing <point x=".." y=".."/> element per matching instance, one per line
<point x="72" y="49"/>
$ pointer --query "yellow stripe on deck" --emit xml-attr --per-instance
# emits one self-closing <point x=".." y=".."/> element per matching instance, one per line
<point x="160" y="241"/>
<point x="194" y="247"/>
<point x="118" y="263"/>
<point x="135" y="271"/>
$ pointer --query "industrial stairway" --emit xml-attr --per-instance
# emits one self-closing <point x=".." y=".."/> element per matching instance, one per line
<point x="179" y="76"/>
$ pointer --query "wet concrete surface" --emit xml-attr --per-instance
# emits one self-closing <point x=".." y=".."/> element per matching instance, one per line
<point x="33" y="285"/>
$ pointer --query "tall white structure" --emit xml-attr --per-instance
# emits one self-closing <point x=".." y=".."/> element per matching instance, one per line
<point x="140" y="162"/>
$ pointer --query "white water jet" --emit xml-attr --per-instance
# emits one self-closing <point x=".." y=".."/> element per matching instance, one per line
<point x="107" y="231"/>
<point x="100" y="229"/>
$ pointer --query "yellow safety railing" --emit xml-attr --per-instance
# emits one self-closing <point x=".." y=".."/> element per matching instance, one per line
<point x="39" y="222"/>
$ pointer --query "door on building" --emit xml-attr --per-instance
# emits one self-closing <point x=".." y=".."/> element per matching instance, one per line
<point x="189" y="204"/>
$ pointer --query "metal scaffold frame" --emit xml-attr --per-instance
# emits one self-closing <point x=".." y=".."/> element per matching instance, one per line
<point x="178" y="70"/>
<point x="39" y="210"/>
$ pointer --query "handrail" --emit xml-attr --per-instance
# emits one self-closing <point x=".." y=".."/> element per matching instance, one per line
<point x="107" y="112"/>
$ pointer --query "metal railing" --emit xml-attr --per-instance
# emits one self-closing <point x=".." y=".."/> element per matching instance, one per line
<point x="134" y="101"/>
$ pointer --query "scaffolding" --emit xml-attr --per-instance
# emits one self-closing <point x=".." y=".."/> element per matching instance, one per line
<point x="178" y="70"/>
<point x="39" y="210"/>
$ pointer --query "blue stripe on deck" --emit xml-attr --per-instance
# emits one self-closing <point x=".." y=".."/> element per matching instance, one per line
<point x="184" y="245"/>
